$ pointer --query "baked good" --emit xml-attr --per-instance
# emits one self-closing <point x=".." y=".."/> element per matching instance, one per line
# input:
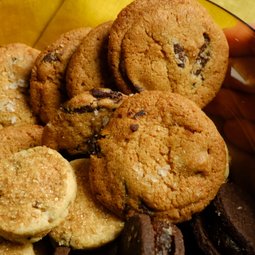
<point x="47" y="84"/>
<point x="16" y="61"/>
<point x="10" y="248"/>
<point x="88" y="67"/>
<point x="226" y="226"/>
<point x="37" y="188"/>
<point x="77" y="124"/>
<point x="141" y="236"/>
<point x="88" y="224"/>
<point x="180" y="49"/>
<point x="162" y="155"/>
<point x="19" y="137"/>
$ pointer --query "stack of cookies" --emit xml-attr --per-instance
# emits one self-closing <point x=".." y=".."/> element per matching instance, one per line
<point x="105" y="127"/>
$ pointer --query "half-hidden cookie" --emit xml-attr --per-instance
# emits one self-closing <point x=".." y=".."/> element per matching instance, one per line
<point x="37" y="188"/>
<point x="16" y="61"/>
<point x="10" y="248"/>
<point x="226" y="226"/>
<point x="19" y="137"/>
<point x="180" y="49"/>
<point x="88" y="67"/>
<point x="162" y="156"/>
<point x="77" y="124"/>
<point x="47" y="84"/>
<point x="88" y="224"/>
<point x="143" y="236"/>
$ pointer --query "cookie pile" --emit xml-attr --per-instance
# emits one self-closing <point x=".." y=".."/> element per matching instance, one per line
<point x="106" y="124"/>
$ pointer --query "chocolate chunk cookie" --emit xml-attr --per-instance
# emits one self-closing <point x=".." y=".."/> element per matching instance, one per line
<point x="161" y="156"/>
<point x="77" y="124"/>
<point x="47" y="84"/>
<point x="88" y="67"/>
<point x="180" y="49"/>
<point x="16" y="61"/>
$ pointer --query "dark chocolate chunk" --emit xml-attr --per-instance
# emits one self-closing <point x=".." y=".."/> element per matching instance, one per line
<point x="180" y="55"/>
<point x="139" y="114"/>
<point x="143" y="235"/>
<point x="114" y="95"/>
<point x="134" y="127"/>
<point x="80" y="110"/>
<point x="51" y="57"/>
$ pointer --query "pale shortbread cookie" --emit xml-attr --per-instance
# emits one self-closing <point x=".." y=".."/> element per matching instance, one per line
<point x="159" y="155"/>
<point x="19" y="137"/>
<point x="88" y="224"/>
<point x="37" y="187"/>
<point x="47" y="84"/>
<point x="10" y="248"/>
<point x="16" y="61"/>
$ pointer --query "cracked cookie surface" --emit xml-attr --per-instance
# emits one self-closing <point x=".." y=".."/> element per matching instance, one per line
<point x="47" y="84"/>
<point x="161" y="156"/>
<point x="77" y="124"/>
<point x="180" y="49"/>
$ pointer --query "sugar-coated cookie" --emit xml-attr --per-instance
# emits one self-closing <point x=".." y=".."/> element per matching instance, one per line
<point x="180" y="49"/>
<point x="77" y="124"/>
<point x="88" y="67"/>
<point x="47" y="84"/>
<point x="10" y="248"/>
<point x="37" y="187"/>
<point x="16" y="61"/>
<point x="19" y="137"/>
<point x="161" y="155"/>
<point x="88" y="224"/>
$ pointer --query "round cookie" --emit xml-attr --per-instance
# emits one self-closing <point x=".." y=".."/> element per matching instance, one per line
<point x="180" y="49"/>
<point x="161" y="156"/>
<point x="16" y="61"/>
<point x="78" y="122"/>
<point x="19" y="137"/>
<point x="120" y="26"/>
<point x="88" y="224"/>
<point x="88" y="67"/>
<point x="37" y="188"/>
<point x="10" y="248"/>
<point x="47" y="84"/>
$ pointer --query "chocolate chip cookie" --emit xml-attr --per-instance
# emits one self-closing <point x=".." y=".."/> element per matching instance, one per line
<point x="160" y="155"/>
<point x="47" y="84"/>
<point x="88" y="67"/>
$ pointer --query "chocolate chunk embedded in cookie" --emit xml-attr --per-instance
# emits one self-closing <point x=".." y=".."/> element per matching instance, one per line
<point x="77" y="124"/>
<point x="180" y="49"/>
<point x="47" y="84"/>
<point x="171" y="164"/>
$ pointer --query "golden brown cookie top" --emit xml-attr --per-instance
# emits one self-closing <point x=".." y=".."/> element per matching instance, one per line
<point x="37" y="187"/>
<point x="48" y="75"/>
<point x="162" y="156"/>
<point x="180" y="49"/>
<point x="77" y="124"/>
<point x="19" y="137"/>
<point x="88" y="224"/>
<point x="88" y="67"/>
